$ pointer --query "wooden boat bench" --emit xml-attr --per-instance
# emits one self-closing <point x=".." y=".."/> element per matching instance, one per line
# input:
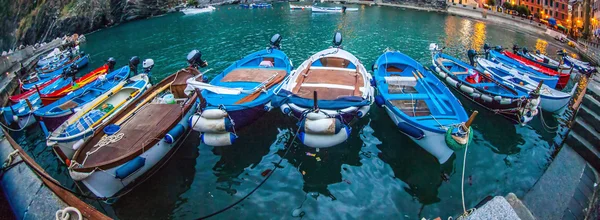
<point x="329" y="83"/>
<point x="257" y="75"/>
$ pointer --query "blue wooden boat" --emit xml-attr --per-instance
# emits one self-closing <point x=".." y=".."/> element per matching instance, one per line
<point x="552" y="100"/>
<point x="420" y="105"/>
<point x="327" y="93"/>
<point x="485" y="89"/>
<point x="21" y="112"/>
<point x="56" y="113"/>
<point x="498" y="57"/>
<point x="240" y="94"/>
<point x="38" y="79"/>
<point x="75" y="63"/>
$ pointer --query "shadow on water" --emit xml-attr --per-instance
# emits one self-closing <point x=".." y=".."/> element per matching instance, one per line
<point x="420" y="170"/>
<point x="246" y="153"/>
<point x="323" y="168"/>
<point x="168" y="184"/>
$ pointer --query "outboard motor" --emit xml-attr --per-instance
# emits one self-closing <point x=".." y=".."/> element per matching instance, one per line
<point x="486" y="50"/>
<point x="70" y="72"/>
<point x="275" y="42"/>
<point x="194" y="58"/>
<point x="525" y="50"/>
<point x="147" y="65"/>
<point x="515" y="48"/>
<point x="133" y="65"/>
<point x="471" y="54"/>
<point x="344" y="9"/>
<point x="111" y="62"/>
<point x="337" y="40"/>
<point x="498" y="48"/>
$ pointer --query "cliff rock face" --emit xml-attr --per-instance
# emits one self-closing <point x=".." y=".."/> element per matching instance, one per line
<point x="32" y="21"/>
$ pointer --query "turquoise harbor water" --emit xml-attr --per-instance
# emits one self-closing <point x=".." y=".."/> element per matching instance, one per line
<point x="377" y="173"/>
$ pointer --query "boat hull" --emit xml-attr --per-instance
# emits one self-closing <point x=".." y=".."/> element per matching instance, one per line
<point x="53" y="122"/>
<point x="104" y="184"/>
<point x="432" y="142"/>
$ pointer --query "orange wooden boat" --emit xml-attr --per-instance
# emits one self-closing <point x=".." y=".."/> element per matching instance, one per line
<point x="79" y="83"/>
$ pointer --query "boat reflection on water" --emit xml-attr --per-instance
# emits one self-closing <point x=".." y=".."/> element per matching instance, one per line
<point x="322" y="168"/>
<point x="246" y="153"/>
<point x="168" y="183"/>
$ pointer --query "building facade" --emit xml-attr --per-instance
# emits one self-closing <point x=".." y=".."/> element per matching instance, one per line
<point x="545" y="9"/>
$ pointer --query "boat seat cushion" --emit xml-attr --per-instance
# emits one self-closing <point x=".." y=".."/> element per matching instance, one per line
<point x="258" y="75"/>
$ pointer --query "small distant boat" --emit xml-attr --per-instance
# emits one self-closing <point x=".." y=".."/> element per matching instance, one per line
<point x="193" y="11"/>
<point x="500" y="58"/>
<point x="82" y="125"/>
<point x="256" y="5"/>
<point x="326" y="94"/>
<point x="240" y="94"/>
<point x="74" y="63"/>
<point x="52" y="57"/>
<point x="485" y="89"/>
<point x="343" y="9"/>
<point x="552" y="100"/>
<point x="139" y="138"/>
<point x="580" y="66"/>
<point x="420" y="105"/>
<point x="48" y="99"/>
<point x="541" y="59"/>
<point x="299" y="7"/>
<point x="53" y="115"/>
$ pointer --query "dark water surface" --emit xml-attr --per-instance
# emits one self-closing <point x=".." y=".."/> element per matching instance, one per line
<point x="377" y="173"/>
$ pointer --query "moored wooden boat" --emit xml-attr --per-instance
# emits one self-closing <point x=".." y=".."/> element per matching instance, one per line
<point x="240" y="94"/>
<point x="147" y="133"/>
<point x="552" y="100"/>
<point x="299" y="7"/>
<point x="342" y="9"/>
<point x="420" y="105"/>
<point x="487" y="90"/>
<point x="82" y="125"/>
<point x="77" y="84"/>
<point x="57" y="112"/>
<point x="73" y="64"/>
<point x="326" y="93"/>
<point x="534" y="71"/>
<point x="193" y="11"/>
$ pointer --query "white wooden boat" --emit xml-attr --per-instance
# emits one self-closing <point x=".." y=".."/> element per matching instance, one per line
<point x="71" y="135"/>
<point x="300" y="7"/>
<point x="193" y="11"/>
<point x="332" y="9"/>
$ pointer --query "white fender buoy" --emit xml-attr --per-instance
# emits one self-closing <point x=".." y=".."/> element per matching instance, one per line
<point x="15" y="118"/>
<point x="476" y="95"/>
<point x="505" y="101"/>
<point x="498" y="98"/>
<point x="77" y="144"/>
<point x="486" y="98"/>
<point x="362" y="111"/>
<point x="315" y="116"/>
<point x="218" y="139"/>
<point x="214" y="114"/>
<point x="202" y="124"/>
<point x="321" y="126"/>
<point x="285" y="109"/>
<point x="451" y="81"/>
<point x="324" y="140"/>
<point x="467" y="89"/>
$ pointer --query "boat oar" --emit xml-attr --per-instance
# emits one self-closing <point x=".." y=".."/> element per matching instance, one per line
<point x="431" y="95"/>
<point x="491" y="79"/>
<point x="142" y="103"/>
<point x="257" y="92"/>
<point x="133" y="94"/>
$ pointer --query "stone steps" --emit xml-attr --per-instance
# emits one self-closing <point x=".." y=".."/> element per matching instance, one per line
<point x="593" y="89"/>
<point x="584" y="148"/>
<point x="590" y="117"/>
<point x="590" y="102"/>
<point x="587" y="132"/>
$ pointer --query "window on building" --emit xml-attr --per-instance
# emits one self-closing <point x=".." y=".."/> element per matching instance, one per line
<point x="563" y="16"/>
<point x="538" y="3"/>
<point x="545" y="2"/>
<point x="556" y="14"/>
<point x="563" y="6"/>
<point x="556" y="4"/>
<point x="531" y="8"/>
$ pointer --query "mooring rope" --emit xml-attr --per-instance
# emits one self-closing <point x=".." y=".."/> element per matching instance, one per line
<point x="462" y="185"/>
<point x="277" y="165"/>
<point x="548" y="128"/>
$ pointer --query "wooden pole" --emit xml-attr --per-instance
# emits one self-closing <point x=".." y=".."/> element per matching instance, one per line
<point x="471" y="119"/>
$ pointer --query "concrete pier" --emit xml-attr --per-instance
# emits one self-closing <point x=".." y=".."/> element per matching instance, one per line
<point x="31" y="196"/>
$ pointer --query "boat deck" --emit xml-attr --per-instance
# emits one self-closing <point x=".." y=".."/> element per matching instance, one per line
<point x="330" y="83"/>
<point x="147" y="124"/>
<point x="257" y="75"/>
